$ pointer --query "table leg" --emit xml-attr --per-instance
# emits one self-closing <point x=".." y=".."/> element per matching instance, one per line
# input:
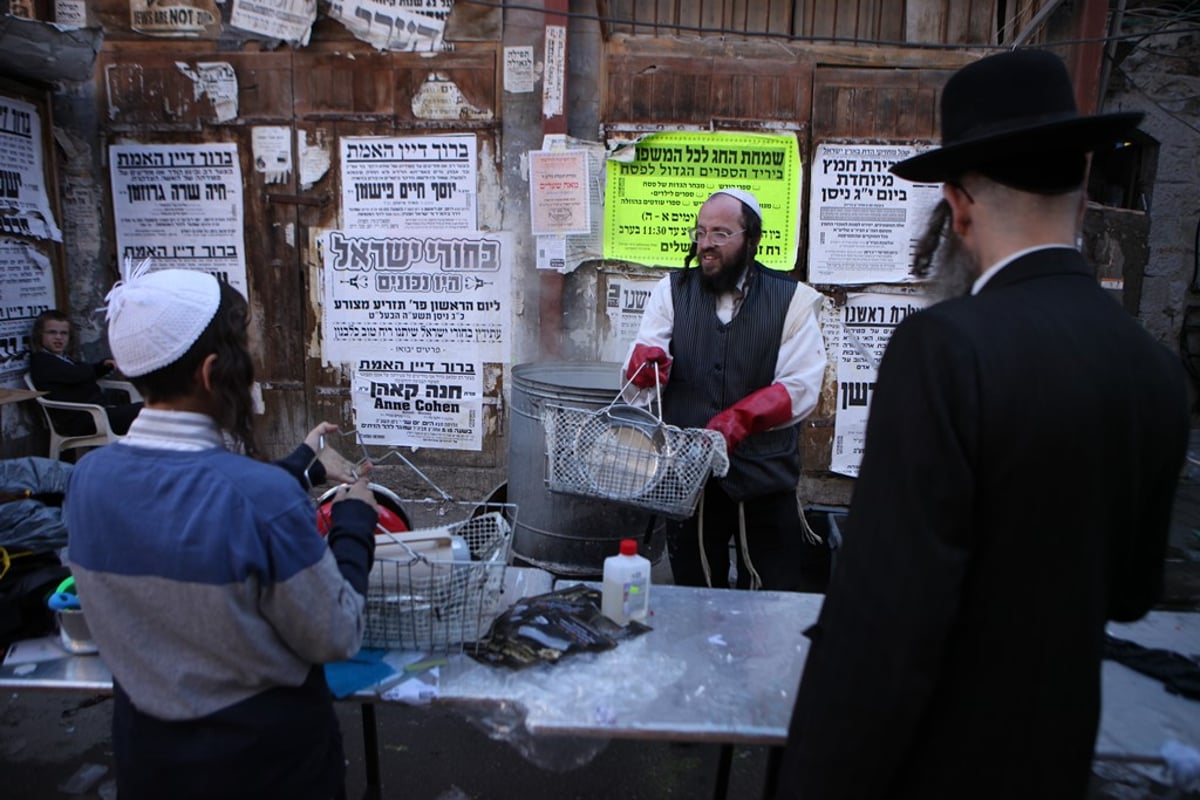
<point x="370" y="752"/>
<point x="724" y="768"/>
<point x="774" y="759"/>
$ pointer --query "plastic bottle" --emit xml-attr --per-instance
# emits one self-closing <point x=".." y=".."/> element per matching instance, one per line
<point x="626" y="592"/>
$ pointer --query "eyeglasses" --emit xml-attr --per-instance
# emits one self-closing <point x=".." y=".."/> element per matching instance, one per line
<point x="716" y="238"/>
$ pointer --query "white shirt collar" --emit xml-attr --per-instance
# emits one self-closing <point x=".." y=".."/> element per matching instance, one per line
<point x="991" y="271"/>
<point x="160" y="429"/>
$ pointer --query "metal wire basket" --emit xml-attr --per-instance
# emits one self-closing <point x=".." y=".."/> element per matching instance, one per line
<point x="627" y="455"/>
<point x="438" y="589"/>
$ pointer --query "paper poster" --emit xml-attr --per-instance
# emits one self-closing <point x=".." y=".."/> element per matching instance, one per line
<point x="409" y="182"/>
<point x="191" y="19"/>
<point x="625" y="300"/>
<point x="863" y="221"/>
<point x="24" y="203"/>
<point x="554" y="71"/>
<point x="655" y="189"/>
<point x="271" y="147"/>
<point x="437" y="294"/>
<point x="288" y="20"/>
<point x="403" y="25"/>
<point x="418" y="403"/>
<point x="181" y="205"/>
<point x="519" y="75"/>
<point x="26" y="290"/>
<point x="217" y="81"/>
<point x="558" y="192"/>
<point x="865" y="325"/>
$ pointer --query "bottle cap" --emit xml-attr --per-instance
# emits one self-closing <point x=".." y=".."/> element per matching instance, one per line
<point x="629" y="547"/>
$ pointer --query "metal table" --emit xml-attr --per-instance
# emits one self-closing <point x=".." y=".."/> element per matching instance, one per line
<point x="719" y="666"/>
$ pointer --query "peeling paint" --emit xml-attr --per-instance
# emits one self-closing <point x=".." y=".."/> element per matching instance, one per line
<point x="314" y="156"/>
<point x="218" y="82"/>
<point x="440" y="98"/>
<point x="490" y="211"/>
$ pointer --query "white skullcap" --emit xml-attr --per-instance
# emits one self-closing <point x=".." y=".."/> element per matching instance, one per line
<point x="745" y="197"/>
<point x="154" y="317"/>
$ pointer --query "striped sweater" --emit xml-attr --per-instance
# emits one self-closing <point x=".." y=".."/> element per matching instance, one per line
<point x="213" y="599"/>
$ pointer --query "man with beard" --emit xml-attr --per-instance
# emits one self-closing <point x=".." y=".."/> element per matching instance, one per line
<point x="736" y="347"/>
<point x="1023" y="447"/>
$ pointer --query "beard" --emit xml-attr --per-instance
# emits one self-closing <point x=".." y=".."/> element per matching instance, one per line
<point x="955" y="269"/>
<point x="725" y="279"/>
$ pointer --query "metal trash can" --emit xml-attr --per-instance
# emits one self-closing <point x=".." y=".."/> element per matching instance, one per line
<point x="564" y="534"/>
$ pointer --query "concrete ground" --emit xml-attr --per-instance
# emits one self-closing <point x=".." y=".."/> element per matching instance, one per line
<point x="57" y="746"/>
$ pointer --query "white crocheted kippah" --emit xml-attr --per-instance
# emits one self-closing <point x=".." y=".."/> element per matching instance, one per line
<point x="155" y="316"/>
<point x="745" y="197"/>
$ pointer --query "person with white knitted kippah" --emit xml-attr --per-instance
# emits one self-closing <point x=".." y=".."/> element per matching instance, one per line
<point x="210" y="593"/>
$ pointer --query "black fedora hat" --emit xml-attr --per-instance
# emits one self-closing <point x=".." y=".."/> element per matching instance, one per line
<point x="1005" y="106"/>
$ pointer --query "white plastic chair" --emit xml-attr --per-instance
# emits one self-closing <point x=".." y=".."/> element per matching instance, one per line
<point x="104" y="432"/>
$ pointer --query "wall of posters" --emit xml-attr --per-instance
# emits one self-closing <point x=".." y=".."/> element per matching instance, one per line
<point x="26" y="290"/>
<point x="24" y="203"/>
<point x="440" y="293"/>
<point x="862" y="220"/>
<point x="418" y="403"/>
<point x="656" y="186"/>
<point x="181" y="205"/>
<point x="865" y="325"/>
<point x="625" y="299"/>
<point x="417" y="318"/>
<point x="409" y="182"/>
<point x="558" y="192"/>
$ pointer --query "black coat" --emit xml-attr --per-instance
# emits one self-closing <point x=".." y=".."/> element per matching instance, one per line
<point x="1022" y="453"/>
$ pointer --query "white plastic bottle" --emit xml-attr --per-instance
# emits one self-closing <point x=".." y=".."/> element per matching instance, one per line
<point x="626" y="593"/>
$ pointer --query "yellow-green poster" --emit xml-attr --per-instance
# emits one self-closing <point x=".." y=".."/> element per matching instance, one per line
<point x="655" y="188"/>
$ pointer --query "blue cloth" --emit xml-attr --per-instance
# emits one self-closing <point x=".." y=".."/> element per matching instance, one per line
<point x="365" y="669"/>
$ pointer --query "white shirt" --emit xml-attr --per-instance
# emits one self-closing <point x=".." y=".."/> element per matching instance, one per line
<point x="800" y="367"/>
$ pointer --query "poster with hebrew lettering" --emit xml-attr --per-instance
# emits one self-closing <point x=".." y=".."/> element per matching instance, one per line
<point x="26" y="290"/>
<point x="656" y="186"/>
<point x="863" y="221"/>
<point x="409" y="182"/>
<point x="865" y="326"/>
<point x="24" y="203"/>
<point x="181" y="205"/>
<point x="391" y="294"/>
<point x="415" y="26"/>
<point x="418" y="402"/>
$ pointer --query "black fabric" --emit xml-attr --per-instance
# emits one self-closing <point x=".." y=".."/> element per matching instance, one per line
<point x="75" y="382"/>
<point x="30" y="580"/>
<point x="284" y="742"/>
<point x="1022" y="454"/>
<point x="1029" y="108"/>
<point x="717" y="364"/>
<point x="783" y="558"/>
<point x="1179" y="674"/>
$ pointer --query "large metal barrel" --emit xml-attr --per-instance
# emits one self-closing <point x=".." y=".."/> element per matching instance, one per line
<point x="567" y="535"/>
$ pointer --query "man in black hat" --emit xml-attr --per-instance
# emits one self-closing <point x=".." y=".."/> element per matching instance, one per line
<point x="1022" y="452"/>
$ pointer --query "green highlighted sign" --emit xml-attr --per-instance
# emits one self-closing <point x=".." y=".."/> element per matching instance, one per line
<point x="655" y="188"/>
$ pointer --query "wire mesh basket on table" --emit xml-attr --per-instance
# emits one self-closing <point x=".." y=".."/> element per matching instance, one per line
<point x="438" y="589"/>
<point x="627" y="455"/>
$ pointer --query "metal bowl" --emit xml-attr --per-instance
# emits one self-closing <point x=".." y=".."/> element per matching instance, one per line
<point x="621" y="451"/>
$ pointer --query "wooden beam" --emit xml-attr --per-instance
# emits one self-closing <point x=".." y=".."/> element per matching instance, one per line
<point x="550" y="300"/>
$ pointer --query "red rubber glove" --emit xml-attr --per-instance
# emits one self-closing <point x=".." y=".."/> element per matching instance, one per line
<point x="754" y="413"/>
<point x="655" y="358"/>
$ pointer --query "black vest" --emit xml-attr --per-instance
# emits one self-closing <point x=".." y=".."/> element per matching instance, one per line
<point x="715" y="365"/>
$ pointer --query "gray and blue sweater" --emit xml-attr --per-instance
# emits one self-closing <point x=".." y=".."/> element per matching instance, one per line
<point x="213" y="600"/>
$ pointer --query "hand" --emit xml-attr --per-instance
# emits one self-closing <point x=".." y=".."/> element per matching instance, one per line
<point x="358" y="490"/>
<point x="765" y="409"/>
<point x="645" y="363"/>
<point x="338" y="468"/>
